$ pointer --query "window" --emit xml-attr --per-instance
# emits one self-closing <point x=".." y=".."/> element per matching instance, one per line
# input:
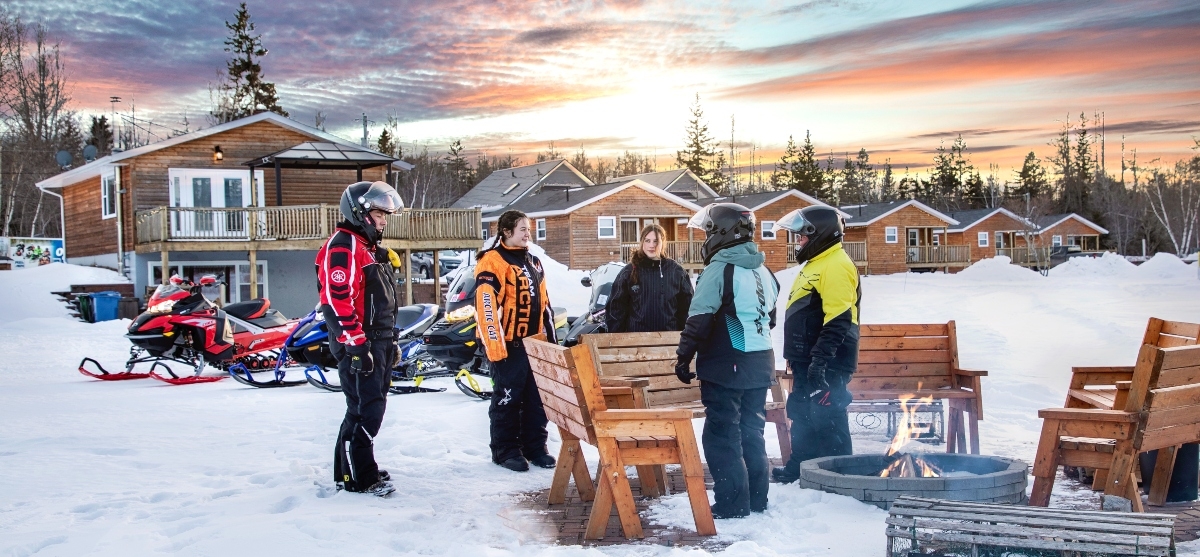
<point x="606" y="228"/>
<point x="983" y="239"/>
<point x="235" y="276"/>
<point x="486" y="230"/>
<point x="541" y="229"/>
<point x="1056" y="241"/>
<point x="768" y="230"/>
<point x="891" y="235"/>
<point x="108" y="196"/>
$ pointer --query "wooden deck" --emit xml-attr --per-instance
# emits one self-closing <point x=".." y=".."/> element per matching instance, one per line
<point x="297" y="227"/>
<point x="938" y="256"/>
<point x="1026" y="257"/>
<point x="856" y="250"/>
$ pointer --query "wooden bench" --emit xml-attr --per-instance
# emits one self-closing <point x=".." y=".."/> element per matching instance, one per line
<point x="1161" y="411"/>
<point x="649" y="359"/>
<point x="917" y="526"/>
<point x="570" y="389"/>
<point x="913" y="361"/>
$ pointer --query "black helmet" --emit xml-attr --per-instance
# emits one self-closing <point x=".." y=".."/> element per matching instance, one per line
<point x="725" y="224"/>
<point x="360" y="197"/>
<point x="822" y="225"/>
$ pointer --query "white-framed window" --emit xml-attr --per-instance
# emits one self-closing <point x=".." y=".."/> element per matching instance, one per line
<point x="541" y="229"/>
<point x="606" y="228"/>
<point x="1056" y="241"/>
<point x="486" y="230"/>
<point x="108" y="196"/>
<point x="891" y="235"/>
<point x="984" y="239"/>
<point x="235" y="276"/>
<point x="768" y="230"/>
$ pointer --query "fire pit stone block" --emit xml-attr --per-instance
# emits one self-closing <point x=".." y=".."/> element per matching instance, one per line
<point x="992" y="479"/>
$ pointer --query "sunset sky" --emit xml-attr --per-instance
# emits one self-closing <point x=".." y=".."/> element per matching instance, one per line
<point x="897" y="78"/>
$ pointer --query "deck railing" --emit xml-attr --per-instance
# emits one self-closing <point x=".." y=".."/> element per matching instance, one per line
<point x="856" y="250"/>
<point x="1026" y="256"/>
<point x="297" y="222"/>
<point x="682" y="251"/>
<point x="938" y="255"/>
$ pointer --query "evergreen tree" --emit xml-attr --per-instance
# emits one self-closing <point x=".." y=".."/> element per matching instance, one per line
<point x="244" y="91"/>
<point x="459" y="168"/>
<point x="100" y="134"/>
<point x="948" y="179"/>
<point x="782" y="177"/>
<point x="583" y="164"/>
<point x="887" y="184"/>
<point x="700" y="150"/>
<point x="1031" y="179"/>
<point x="550" y="154"/>
<point x="386" y="144"/>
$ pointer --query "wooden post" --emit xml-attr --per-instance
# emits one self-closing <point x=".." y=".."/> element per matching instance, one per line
<point x="166" y="261"/>
<point x="253" y="271"/>
<point x="278" y="183"/>
<point x="437" y="279"/>
<point x="324" y="220"/>
<point x="408" y="299"/>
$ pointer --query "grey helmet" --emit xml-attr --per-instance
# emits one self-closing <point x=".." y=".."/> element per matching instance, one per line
<point x="724" y="225"/>
<point x="360" y="197"/>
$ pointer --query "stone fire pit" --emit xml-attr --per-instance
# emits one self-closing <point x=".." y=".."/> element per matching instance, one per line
<point x="985" y="479"/>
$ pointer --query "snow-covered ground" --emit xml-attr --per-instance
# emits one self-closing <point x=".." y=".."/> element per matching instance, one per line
<point x="141" y="468"/>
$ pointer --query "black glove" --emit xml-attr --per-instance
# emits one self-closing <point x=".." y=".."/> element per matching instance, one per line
<point x="816" y="376"/>
<point x="682" y="372"/>
<point x="360" y="358"/>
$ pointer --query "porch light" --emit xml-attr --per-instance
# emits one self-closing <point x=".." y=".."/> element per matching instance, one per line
<point x="218" y="156"/>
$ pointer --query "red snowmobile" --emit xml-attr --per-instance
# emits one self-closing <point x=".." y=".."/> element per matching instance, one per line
<point x="181" y="325"/>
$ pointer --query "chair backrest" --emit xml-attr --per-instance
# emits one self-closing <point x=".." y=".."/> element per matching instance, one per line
<point x="567" y="382"/>
<point x="906" y="357"/>
<point x="649" y="356"/>
<point x="1166" y="394"/>
<point x="1167" y="334"/>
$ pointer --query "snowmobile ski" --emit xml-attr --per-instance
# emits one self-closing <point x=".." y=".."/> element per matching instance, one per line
<point x="320" y="381"/>
<point x="414" y="388"/>
<point x="108" y="375"/>
<point x="177" y="380"/>
<point x="470" y="387"/>
<point x="242" y="375"/>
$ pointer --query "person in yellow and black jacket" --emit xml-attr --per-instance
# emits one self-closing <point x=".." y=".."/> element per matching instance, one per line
<point x="511" y="304"/>
<point x="820" y="338"/>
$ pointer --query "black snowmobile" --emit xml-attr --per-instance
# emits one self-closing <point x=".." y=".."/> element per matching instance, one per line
<point x="600" y="281"/>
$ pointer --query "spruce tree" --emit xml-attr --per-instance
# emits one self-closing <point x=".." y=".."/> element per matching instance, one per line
<point x="1032" y="177"/>
<point x="700" y="150"/>
<point x="244" y="91"/>
<point x="782" y="177"/>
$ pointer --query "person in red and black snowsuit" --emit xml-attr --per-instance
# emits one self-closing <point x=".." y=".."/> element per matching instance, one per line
<point x="358" y="300"/>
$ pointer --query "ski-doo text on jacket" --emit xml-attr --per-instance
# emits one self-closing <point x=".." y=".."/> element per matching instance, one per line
<point x="821" y="320"/>
<point x="357" y="287"/>
<point x="657" y="301"/>
<point x="510" y="299"/>
<point x="730" y="319"/>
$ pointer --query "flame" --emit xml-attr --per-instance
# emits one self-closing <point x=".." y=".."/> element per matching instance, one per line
<point x="908" y="466"/>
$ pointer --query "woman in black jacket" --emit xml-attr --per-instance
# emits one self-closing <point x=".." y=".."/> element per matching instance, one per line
<point x="652" y="293"/>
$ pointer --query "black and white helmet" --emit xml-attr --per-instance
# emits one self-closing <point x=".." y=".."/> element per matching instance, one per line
<point x="724" y="225"/>
<point x="822" y="225"/>
<point x="361" y="197"/>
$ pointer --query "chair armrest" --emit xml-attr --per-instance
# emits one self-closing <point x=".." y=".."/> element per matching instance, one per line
<point x="640" y="414"/>
<point x="970" y="372"/>
<point x="616" y="391"/>
<point x="1102" y="369"/>
<point x="634" y="382"/>
<point x="1124" y="385"/>
<point x="1088" y="414"/>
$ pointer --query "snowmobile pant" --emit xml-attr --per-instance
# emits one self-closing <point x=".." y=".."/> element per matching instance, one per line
<point x="517" y="416"/>
<point x="734" y="447"/>
<point x="366" y="399"/>
<point x="820" y="424"/>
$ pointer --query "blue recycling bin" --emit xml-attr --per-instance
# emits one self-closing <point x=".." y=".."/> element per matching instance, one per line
<point x="104" y="305"/>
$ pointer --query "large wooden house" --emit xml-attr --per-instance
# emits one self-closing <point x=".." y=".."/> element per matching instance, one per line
<point x="1069" y="229"/>
<point x="250" y="201"/>
<point x="992" y="232"/>
<point x="905" y="235"/>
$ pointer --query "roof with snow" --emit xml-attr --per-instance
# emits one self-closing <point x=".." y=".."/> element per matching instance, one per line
<point x="969" y="218"/>
<point x="100" y="165"/>
<point x="1050" y="221"/>
<point x="549" y="201"/>
<point x="503" y="187"/>
<point x="867" y="213"/>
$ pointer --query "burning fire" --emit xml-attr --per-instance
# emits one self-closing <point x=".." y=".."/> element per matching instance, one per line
<point x="908" y="465"/>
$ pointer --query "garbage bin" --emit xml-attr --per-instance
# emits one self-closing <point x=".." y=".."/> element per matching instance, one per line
<point x="104" y="305"/>
<point x="84" y="303"/>
<point x="1183" y="477"/>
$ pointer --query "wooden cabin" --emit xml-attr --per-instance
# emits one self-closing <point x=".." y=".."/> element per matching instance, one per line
<point x="680" y="182"/>
<point x="779" y="246"/>
<point x="902" y="236"/>
<point x="250" y="201"/>
<point x="1069" y="229"/>
<point x="584" y="227"/>
<point x="996" y="232"/>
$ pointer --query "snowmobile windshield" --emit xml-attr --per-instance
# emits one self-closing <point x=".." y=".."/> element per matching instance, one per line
<point x="602" y="280"/>
<point x="163" y="292"/>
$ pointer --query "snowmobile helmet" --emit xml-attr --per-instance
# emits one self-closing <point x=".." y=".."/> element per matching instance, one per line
<point x="725" y="225"/>
<point x="360" y="197"/>
<point x="822" y="225"/>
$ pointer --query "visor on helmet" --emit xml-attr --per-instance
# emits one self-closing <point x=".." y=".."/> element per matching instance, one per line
<point x="795" y="223"/>
<point x="382" y="197"/>
<point x="703" y="219"/>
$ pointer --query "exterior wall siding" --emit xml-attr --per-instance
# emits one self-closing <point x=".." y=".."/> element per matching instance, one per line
<point x="998" y="222"/>
<point x="1069" y="227"/>
<point x="776" y="250"/>
<point x="884" y="258"/>
<point x="588" y="251"/>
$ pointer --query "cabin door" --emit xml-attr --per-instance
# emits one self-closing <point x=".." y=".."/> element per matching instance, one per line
<point x="209" y="189"/>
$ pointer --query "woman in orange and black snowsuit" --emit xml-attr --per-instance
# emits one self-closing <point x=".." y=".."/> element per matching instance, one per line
<point x="511" y="304"/>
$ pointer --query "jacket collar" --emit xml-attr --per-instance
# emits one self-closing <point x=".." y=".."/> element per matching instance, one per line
<point x="824" y="254"/>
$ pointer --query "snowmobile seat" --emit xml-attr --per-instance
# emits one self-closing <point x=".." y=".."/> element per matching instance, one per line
<point x="272" y="318"/>
<point x="248" y="310"/>
<point x="415" y="319"/>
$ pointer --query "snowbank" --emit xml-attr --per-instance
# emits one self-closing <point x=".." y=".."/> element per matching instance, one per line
<point x="27" y="292"/>
<point x="998" y="268"/>
<point x="562" y="283"/>
<point x="1166" y="266"/>
<point x="1107" y="265"/>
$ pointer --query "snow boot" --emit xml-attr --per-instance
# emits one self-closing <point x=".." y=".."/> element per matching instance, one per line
<point x="544" y="461"/>
<point x="381" y="489"/>
<point x="720" y="514"/>
<point x="384" y="476"/>
<point x="783" y="476"/>
<point x="516" y="464"/>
